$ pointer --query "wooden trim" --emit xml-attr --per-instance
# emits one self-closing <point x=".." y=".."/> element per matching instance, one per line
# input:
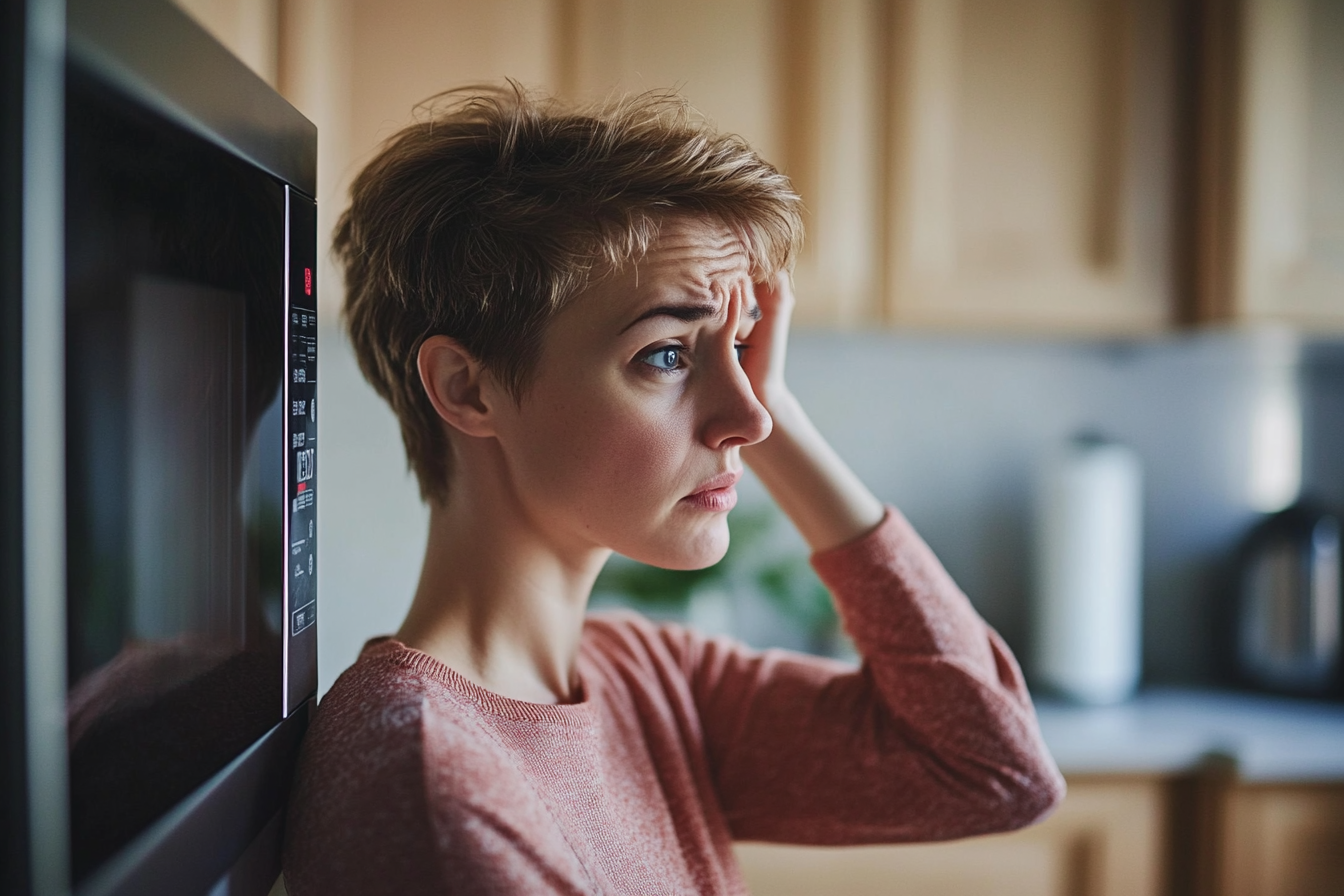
<point x="1114" y="123"/>
<point x="1218" y="157"/>
<point x="886" y="18"/>
<point x="568" y="25"/>
<point x="1187" y="52"/>
<point x="1195" y="838"/>
<point x="797" y="73"/>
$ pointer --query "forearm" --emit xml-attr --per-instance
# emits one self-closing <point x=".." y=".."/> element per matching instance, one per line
<point x="812" y="485"/>
<point x="934" y="737"/>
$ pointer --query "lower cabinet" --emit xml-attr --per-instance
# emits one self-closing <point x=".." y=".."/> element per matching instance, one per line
<point x="1204" y="834"/>
<point x="1105" y="840"/>
<point x="1281" y="840"/>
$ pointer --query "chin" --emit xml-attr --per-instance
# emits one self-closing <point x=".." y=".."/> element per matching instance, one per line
<point x="678" y="548"/>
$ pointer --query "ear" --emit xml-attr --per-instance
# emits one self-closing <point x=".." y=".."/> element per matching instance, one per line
<point x="457" y="386"/>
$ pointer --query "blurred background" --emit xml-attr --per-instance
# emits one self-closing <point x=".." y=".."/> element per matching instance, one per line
<point x="1027" y="219"/>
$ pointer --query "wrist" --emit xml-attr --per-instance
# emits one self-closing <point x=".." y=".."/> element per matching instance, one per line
<point x="783" y="406"/>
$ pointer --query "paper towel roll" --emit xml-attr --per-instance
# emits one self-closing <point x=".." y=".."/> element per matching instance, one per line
<point x="1087" y="612"/>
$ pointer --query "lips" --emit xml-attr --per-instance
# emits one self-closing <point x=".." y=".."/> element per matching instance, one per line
<point x="716" y="495"/>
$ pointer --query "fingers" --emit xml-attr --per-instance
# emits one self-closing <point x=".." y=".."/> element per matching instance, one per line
<point x="764" y="363"/>
<point x="775" y="292"/>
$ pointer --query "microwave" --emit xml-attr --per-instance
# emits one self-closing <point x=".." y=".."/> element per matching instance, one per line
<point x="170" y="649"/>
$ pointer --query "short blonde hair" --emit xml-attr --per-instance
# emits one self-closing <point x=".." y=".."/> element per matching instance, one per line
<point x="481" y="221"/>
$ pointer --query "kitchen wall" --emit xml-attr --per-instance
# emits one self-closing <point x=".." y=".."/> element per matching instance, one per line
<point x="954" y="430"/>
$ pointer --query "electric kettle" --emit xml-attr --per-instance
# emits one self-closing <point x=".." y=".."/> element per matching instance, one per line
<point x="1287" y="619"/>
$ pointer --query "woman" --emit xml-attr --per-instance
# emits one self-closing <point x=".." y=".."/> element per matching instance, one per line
<point x="580" y="320"/>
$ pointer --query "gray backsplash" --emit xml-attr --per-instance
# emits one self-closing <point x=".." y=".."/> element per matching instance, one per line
<point x="953" y="430"/>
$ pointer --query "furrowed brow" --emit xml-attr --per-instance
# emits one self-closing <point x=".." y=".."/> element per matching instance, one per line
<point x="688" y="313"/>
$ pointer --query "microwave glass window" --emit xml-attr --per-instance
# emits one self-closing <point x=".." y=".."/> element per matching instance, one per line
<point x="175" y="346"/>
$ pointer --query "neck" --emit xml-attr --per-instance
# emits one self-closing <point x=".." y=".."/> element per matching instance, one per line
<point x="497" y="601"/>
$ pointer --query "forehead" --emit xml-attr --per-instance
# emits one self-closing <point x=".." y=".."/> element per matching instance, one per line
<point x="692" y="259"/>
<point x="701" y="249"/>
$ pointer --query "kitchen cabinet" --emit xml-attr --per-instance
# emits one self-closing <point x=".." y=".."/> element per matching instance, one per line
<point x="965" y="163"/>
<point x="1030" y="165"/>
<point x="1049" y="166"/>
<point x="1271" y="191"/>
<point x="1279" y="840"/>
<point x="1201" y="834"/>
<point x="1106" y="839"/>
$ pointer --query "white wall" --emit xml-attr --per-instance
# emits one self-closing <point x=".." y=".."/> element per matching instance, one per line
<point x="371" y="523"/>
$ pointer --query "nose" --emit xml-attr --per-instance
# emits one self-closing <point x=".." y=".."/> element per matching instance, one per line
<point x="734" y="416"/>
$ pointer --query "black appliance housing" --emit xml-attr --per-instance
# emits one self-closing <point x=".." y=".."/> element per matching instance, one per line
<point x="158" y="413"/>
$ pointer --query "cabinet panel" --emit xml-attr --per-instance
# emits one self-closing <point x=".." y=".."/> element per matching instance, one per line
<point x="1284" y="841"/>
<point x="1288" y="209"/>
<point x="404" y="51"/>
<point x="991" y="866"/>
<point x="831" y="61"/>
<point x="1105" y="840"/>
<point x="719" y="54"/>
<point x="1030" y="164"/>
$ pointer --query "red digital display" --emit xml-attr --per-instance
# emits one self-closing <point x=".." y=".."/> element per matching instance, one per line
<point x="307" y="281"/>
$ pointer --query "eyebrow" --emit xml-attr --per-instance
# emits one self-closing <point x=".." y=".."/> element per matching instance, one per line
<point x="688" y="313"/>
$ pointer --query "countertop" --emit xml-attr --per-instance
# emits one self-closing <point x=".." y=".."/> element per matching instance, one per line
<point x="1171" y="730"/>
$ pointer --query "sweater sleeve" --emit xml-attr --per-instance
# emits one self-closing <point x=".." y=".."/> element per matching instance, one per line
<point x="933" y="737"/>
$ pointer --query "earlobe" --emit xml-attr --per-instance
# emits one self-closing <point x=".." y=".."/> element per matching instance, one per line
<point x="454" y="380"/>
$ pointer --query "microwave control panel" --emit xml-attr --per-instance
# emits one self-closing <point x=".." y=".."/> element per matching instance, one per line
<point x="300" y="450"/>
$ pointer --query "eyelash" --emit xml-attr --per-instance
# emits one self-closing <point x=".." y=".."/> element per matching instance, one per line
<point x="739" y="348"/>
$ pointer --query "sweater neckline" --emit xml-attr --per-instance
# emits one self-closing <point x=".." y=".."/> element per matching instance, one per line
<point x="578" y="714"/>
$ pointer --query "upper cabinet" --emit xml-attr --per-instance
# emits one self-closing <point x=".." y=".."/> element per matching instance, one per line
<point x="1272" y="163"/>
<point x="965" y="163"/>
<point x="1030" y="163"/>
<point x="1046" y="166"/>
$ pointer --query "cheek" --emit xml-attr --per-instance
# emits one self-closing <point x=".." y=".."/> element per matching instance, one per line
<point x="611" y="451"/>
<point x="636" y="450"/>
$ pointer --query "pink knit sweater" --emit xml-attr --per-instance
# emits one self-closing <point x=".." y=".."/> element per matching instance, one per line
<point x="414" y="780"/>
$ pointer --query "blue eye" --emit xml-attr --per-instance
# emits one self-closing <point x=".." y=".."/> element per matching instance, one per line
<point x="741" y="349"/>
<point x="666" y="358"/>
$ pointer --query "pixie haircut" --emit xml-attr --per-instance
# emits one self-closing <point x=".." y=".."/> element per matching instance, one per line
<point x="481" y="221"/>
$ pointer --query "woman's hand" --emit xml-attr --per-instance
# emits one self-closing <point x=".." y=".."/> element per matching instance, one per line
<point x="768" y="343"/>
<point x="809" y="481"/>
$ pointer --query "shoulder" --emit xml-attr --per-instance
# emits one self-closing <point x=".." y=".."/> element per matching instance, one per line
<point x="379" y="701"/>
<point x="360" y="815"/>
<point x="408" y="783"/>
<point x="628" y="638"/>
<point x="396" y="710"/>
<point x="678" y="663"/>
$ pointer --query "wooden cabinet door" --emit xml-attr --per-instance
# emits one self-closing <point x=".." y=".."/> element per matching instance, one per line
<point x="1282" y="840"/>
<point x="1105" y="840"/>
<point x="1030" y="164"/>
<point x="1272" y="163"/>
